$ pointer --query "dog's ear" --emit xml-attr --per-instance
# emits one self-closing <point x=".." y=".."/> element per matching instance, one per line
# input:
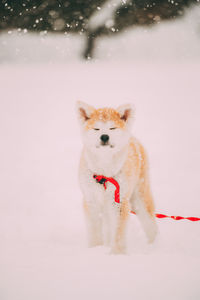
<point x="126" y="112"/>
<point x="84" y="111"/>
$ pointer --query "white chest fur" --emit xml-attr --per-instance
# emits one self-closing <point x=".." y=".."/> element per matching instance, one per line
<point x="105" y="162"/>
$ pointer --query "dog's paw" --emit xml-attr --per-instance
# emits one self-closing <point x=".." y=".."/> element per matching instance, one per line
<point x="152" y="233"/>
<point x="95" y="243"/>
<point x="116" y="250"/>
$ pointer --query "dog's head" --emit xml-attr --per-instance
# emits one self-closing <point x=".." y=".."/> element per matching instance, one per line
<point x="105" y="129"/>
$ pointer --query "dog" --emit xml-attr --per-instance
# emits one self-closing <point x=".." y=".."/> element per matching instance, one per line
<point x="110" y="151"/>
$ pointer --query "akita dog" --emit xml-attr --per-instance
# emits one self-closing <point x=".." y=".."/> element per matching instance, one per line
<point x="110" y="151"/>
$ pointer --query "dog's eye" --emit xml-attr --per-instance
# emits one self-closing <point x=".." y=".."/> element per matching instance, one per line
<point x="96" y="128"/>
<point x="112" y="128"/>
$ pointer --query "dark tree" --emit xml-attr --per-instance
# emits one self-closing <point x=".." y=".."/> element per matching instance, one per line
<point x="138" y="13"/>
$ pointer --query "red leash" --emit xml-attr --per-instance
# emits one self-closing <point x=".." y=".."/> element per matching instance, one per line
<point x="102" y="180"/>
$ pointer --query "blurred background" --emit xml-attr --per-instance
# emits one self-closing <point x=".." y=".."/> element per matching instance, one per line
<point x="61" y="30"/>
<point x="106" y="53"/>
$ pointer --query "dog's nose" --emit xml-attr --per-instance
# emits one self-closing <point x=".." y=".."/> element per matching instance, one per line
<point x="104" y="138"/>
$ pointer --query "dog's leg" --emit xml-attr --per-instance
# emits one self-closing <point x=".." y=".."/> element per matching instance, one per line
<point x="143" y="206"/>
<point x="94" y="224"/>
<point x="106" y="226"/>
<point x="119" y="239"/>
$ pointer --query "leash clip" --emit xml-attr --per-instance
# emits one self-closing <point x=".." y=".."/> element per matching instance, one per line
<point x="100" y="179"/>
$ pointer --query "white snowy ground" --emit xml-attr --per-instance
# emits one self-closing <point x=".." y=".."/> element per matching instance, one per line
<point x="43" y="250"/>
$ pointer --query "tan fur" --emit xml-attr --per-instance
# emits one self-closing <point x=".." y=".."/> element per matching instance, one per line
<point x="105" y="114"/>
<point x="137" y="161"/>
<point x="144" y="186"/>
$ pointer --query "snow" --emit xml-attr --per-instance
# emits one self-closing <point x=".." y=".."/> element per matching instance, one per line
<point x="43" y="249"/>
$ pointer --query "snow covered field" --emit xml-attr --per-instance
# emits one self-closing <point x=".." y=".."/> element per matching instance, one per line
<point x="43" y="250"/>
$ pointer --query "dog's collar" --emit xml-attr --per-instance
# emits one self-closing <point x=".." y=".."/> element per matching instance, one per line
<point x="103" y="179"/>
